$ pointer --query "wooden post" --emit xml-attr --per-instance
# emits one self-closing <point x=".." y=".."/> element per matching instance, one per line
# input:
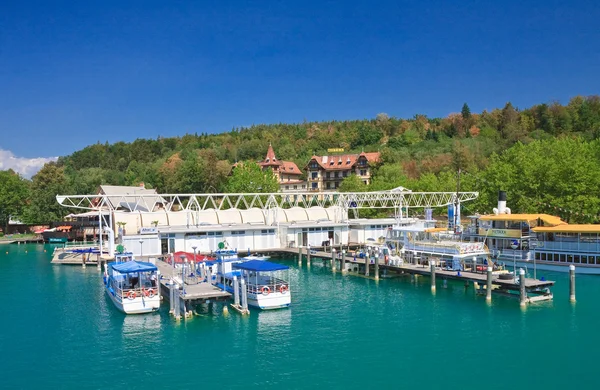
<point x="488" y="292"/>
<point x="83" y="260"/>
<point x="432" y="268"/>
<point x="171" y="297"/>
<point x="333" y="258"/>
<point x="522" y="292"/>
<point x="308" y="254"/>
<point x="299" y="254"/>
<point x="376" y="266"/>
<point x="367" y="263"/>
<point x="572" y="283"/>
<point x="343" y="261"/>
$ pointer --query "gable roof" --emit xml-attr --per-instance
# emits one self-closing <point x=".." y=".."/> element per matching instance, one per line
<point x="140" y="198"/>
<point x="290" y="168"/>
<point x="343" y="161"/>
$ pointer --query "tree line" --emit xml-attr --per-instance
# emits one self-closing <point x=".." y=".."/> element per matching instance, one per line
<point x="523" y="151"/>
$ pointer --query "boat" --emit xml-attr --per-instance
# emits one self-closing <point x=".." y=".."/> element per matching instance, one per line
<point x="256" y="257"/>
<point x="57" y="235"/>
<point x="132" y="285"/>
<point x="266" y="289"/>
<point x="536" y="241"/>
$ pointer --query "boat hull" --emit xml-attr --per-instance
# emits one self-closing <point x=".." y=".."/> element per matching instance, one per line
<point x="562" y="267"/>
<point x="138" y="305"/>
<point x="271" y="301"/>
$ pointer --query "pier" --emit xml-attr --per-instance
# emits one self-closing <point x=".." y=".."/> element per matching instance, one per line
<point x="183" y="295"/>
<point x="486" y="282"/>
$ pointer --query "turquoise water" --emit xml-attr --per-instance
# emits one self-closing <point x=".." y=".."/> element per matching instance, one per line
<point x="58" y="330"/>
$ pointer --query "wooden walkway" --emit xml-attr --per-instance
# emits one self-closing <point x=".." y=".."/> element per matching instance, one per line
<point x="192" y="292"/>
<point x="413" y="269"/>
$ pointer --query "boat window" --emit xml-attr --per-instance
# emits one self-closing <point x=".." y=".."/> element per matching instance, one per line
<point x="563" y="258"/>
<point x="591" y="260"/>
<point x="584" y="259"/>
<point x="576" y="258"/>
<point x="538" y="256"/>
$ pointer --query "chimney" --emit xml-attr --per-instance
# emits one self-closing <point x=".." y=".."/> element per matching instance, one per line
<point x="501" y="202"/>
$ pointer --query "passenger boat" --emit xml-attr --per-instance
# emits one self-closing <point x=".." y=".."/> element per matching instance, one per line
<point x="420" y="244"/>
<point x="256" y="257"/>
<point x="133" y="285"/>
<point x="60" y="234"/>
<point x="537" y="241"/>
<point x="267" y="289"/>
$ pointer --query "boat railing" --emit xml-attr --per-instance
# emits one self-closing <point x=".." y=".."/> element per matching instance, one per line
<point x="274" y="285"/>
<point x="139" y="291"/>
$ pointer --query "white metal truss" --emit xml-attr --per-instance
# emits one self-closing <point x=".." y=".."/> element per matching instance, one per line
<point x="199" y="202"/>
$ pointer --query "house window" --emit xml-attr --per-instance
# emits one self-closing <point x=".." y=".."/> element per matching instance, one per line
<point x="345" y="173"/>
<point x="337" y="185"/>
<point x="295" y="187"/>
<point x="328" y="185"/>
<point x="314" y="186"/>
<point x="335" y="175"/>
<point x="314" y="175"/>
<point x="287" y="187"/>
<point x="303" y="185"/>
<point x="363" y="172"/>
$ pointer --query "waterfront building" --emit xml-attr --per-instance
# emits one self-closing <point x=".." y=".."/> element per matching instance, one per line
<point x="325" y="173"/>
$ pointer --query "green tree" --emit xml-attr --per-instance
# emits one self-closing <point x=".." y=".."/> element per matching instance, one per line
<point x="13" y="196"/>
<point x="352" y="183"/>
<point x="250" y="178"/>
<point x="46" y="184"/>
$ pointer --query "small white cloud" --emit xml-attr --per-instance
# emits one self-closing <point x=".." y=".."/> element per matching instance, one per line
<point x="25" y="166"/>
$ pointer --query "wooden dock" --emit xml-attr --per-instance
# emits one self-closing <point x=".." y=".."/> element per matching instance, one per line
<point x="195" y="293"/>
<point x="534" y="290"/>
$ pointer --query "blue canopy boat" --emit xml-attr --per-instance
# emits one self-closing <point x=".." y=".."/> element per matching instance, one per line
<point x="133" y="286"/>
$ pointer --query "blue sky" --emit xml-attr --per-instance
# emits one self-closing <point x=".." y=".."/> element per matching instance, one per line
<point x="73" y="73"/>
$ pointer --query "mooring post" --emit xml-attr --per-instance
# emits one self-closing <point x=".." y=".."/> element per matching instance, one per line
<point x="308" y="253"/>
<point x="299" y="254"/>
<point x="244" y="292"/>
<point x="83" y="260"/>
<point x="432" y="268"/>
<point x="171" y="298"/>
<point x="236" y="292"/>
<point x="572" y="283"/>
<point x="376" y="266"/>
<point x="367" y="263"/>
<point x="343" y="261"/>
<point x="488" y="291"/>
<point x="333" y="258"/>
<point x="522" y="292"/>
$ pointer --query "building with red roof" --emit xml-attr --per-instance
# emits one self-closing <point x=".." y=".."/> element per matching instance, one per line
<point x="327" y="172"/>
<point x="287" y="172"/>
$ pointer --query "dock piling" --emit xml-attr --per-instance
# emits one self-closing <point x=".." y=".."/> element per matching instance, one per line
<point x="376" y="266"/>
<point x="488" y="292"/>
<point x="367" y="263"/>
<point x="522" y="292"/>
<point x="244" y="293"/>
<point x="299" y="254"/>
<point x="572" y="283"/>
<point x="236" y="292"/>
<point x="333" y="258"/>
<point x="343" y="261"/>
<point x="308" y="254"/>
<point x="432" y="267"/>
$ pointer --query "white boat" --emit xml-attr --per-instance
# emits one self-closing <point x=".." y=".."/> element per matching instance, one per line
<point x="133" y="286"/>
<point x="267" y="289"/>
<point x="256" y="257"/>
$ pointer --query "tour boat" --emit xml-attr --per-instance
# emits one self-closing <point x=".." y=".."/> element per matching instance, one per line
<point x="256" y="257"/>
<point x="133" y="286"/>
<point x="537" y="241"/>
<point x="267" y="289"/>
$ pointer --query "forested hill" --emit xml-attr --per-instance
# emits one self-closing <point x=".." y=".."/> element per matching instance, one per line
<point x="547" y="157"/>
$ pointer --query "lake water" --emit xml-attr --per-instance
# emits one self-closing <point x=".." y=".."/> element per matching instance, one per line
<point x="59" y="330"/>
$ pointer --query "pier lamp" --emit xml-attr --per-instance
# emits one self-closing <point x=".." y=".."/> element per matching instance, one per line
<point x="141" y="247"/>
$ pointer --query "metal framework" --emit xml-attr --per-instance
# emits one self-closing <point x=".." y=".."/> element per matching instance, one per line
<point x="199" y="202"/>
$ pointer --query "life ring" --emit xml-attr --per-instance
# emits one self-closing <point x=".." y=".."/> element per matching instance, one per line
<point x="283" y="289"/>
<point x="149" y="293"/>
<point x="131" y="295"/>
<point x="265" y="290"/>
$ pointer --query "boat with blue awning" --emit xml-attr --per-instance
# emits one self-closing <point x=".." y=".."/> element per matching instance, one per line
<point x="267" y="283"/>
<point x="133" y="286"/>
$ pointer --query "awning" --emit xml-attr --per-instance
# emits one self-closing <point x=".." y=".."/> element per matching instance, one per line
<point x="260" y="266"/>
<point x="546" y="218"/>
<point x="436" y="230"/>
<point x="575" y="228"/>
<point x="190" y="257"/>
<point x="134" y="266"/>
